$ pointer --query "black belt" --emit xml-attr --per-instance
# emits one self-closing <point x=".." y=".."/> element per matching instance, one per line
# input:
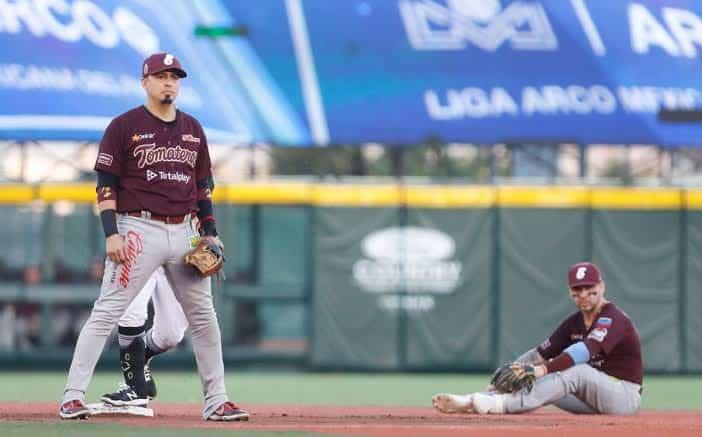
<point x="167" y="219"/>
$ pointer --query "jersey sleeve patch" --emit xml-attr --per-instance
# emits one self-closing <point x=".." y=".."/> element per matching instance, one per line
<point x="605" y="322"/>
<point x="598" y="334"/>
<point x="104" y="159"/>
<point x="546" y="344"/>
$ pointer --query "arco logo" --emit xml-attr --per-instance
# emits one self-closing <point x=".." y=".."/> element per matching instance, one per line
<point x="72" y="22"/>
<point x="486" y="24"/>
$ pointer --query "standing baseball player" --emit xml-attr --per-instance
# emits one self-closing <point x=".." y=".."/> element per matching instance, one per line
<point x="591" y="364"/>
<point x="137" y="345"/>
<point x="154" y="173"/>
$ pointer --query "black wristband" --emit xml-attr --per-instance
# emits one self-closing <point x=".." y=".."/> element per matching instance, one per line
<point x="208" y="228"/>
<point x="108" y="218"/>
<point x="205" y="212"/>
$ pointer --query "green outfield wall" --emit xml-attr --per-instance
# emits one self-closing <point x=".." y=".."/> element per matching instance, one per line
<point x="392" y="276"/>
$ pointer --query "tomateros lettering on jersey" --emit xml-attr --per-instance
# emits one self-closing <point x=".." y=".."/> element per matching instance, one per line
<point x="149" y="154"/>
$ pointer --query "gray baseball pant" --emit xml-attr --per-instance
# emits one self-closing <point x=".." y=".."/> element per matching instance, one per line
<point x="580" y="389"/>
<point x="151" y="244"/>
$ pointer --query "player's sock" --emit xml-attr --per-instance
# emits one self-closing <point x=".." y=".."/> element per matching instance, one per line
<point x="127" y="334"/>
<point x="133" y="358"/>
<point x="151" y="351"/>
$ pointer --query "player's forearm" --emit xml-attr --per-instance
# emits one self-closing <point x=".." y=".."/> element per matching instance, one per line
<point x="205" y="209"/>
<point x="108" y="217"/>
<point x="107" y="201"/>
<point x="107" y="204"/>
<point x="205" y="214"/>
<point x="532" y="356"/>
<point x="577" y="353"/>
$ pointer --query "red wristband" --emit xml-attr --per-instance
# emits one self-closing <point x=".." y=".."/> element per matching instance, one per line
<point x="561" y="362"/>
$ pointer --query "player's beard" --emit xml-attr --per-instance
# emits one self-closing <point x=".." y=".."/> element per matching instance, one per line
<point x="167" y="100"/>
<point x="592" y="306"/>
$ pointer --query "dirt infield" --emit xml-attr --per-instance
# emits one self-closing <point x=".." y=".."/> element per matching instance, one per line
<point x="393" y="421"/>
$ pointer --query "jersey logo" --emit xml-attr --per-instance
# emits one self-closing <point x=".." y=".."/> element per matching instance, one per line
<point x="580" y="273"/>
<point x="139" y="137"/>
<point x="104" y="159"/>
<point x="598" y="334"/>
<point x="604" y="322"/>
<point x="135" y="246"/>
<point x="105" y="193"/>
<point x="192" y="139"/>
<point x="150" y="175"/>
<point x="149" y="154"/>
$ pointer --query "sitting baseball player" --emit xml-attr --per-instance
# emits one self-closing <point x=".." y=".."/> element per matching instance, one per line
<point x="591" y="364"/>
<point x="138" y="346"/>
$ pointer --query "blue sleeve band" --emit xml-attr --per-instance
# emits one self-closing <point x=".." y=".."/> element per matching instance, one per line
<point x="578" y="352"/>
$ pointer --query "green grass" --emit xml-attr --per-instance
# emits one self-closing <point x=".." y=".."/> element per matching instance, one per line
<point x="248" y="387"/>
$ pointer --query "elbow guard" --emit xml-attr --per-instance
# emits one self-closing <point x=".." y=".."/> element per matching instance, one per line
<point x="578" y="352"/>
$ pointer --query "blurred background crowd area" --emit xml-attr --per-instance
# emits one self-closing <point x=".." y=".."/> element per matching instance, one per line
<point x="432" y="161"/>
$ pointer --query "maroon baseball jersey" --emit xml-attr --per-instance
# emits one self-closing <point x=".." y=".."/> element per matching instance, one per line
<point x="612" y="341"/>
<point x="157" y="162"/>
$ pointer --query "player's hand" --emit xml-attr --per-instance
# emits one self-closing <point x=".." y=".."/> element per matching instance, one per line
<point x="114" y="248"/>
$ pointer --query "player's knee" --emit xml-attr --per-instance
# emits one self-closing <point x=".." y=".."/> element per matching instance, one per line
<point x="104" y="317"/>
<point x="168" y="342"/>
<point x="580" y="374"/>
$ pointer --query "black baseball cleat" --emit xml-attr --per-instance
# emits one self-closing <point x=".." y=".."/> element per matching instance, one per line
<point x="150" y="382"/>
<point x="74" y="409"/>
<point x="125" y="396"/>
<point x="229" y="412"/>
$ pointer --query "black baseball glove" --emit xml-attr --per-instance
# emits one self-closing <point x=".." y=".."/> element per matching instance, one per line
<point x="513" y="377"/>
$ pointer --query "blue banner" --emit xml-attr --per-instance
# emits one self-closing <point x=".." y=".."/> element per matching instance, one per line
<point x="68" y="67"/>
<point x="484" y="71"/>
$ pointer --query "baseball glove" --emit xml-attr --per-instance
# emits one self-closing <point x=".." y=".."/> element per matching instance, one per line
<point x="207" y="257"/>
<point x="513" y="377"/>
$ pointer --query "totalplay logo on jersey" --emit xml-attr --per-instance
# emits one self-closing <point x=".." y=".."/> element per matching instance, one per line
<point x="411" y="260"/>
<point x="167" y="176"/>
<point x="177" y="176"/>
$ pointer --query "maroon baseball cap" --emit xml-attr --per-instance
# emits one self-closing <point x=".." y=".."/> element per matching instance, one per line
<point x="162" y="62"/>
<point x="583" y="273"/>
